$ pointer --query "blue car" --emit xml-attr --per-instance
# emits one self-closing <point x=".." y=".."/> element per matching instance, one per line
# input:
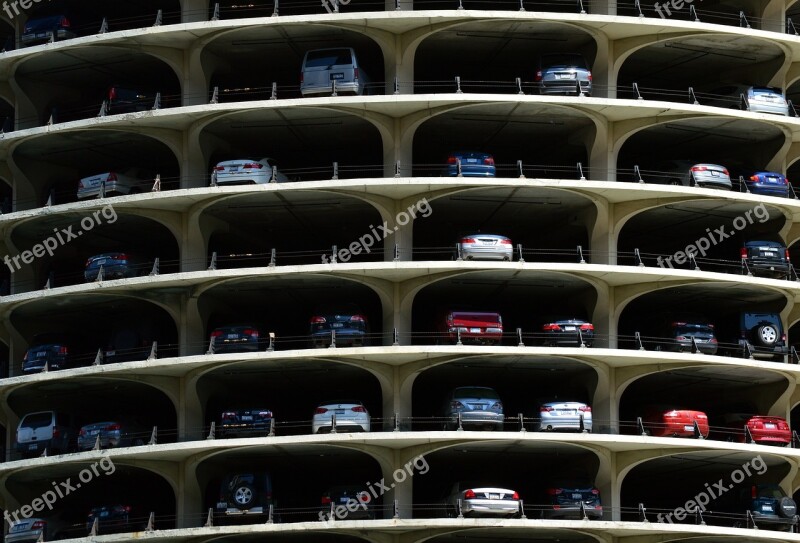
<point x="349" y="323"/>
<point x="768" y="184"/>
<point x="40" y="30"/>
<point x="473" y="164"/>
<point x="115" y="266"/>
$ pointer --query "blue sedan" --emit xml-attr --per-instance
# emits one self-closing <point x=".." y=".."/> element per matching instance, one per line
<point x="473" y="164"/>
<point x="768" y="184"/>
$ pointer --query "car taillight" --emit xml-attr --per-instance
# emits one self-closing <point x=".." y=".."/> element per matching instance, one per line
<point x="743" y="253"/>
<point x="585" y="409"/>
<point x="62" y="350"/>
<point x="497" y="405"/>
<point x="65" y="22"/>
<point x="451" y="159"/>
<point x="250" y="165"/>
<point x="587" y="327"/>
<point x="725" y="171"/>
<point x="121" y="256"/>
<point x="228" y="415"/>
<point x="301" y="78"/>
<point x="250" y="332"/>
<point x="757" y="424"/>
<point x="111" y="177"/>
<point x="786" y="254"/>
<point x="488" y="161"/>
<point x="126" y="508"/>
<point x="515" y="496"/>
<point x="56" y="432"/>
<point x="355" y="73"/>
<point x="701" y="416"/>
<point x="468" y="240"/>
<point x="713" y="340"/>
<point x="38" y="525"/>
<point x="82" y="432"/>
<point x="219" y="168"/>
<point x="216" y="333"/>
<point x="783" y="337"/>
<point x="326" y="500"/>
<point x="546" y="409"/>
<point x="320" y="411"/>
<point x="754" y="178"/>
<point x="359" y="409"/>
<point x="554" y="491"/>
<point x="538" y="76"/>
<point x="671" y="414"/>
<point x="595" y="491"/>
<point x="678" y="324"/>
<point x="551" y="328"/>
<point x="783" y="425"/>
<point x="318" y="320"/>
<point x="112" y="93"/>
<point x="112" y="427"/>
<point x="699" y="168"/>
<point x="753" y="492"/>
<point x="469" y="494"/>
<point x="455" y="404"/>
<point x="358" y="318"/>
<point x="589" y="76"/>
<point x="505" y="242"/>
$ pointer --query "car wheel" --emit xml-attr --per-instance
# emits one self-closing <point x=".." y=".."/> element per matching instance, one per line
<point x="674" y="182"/>
<point x="787" y="507"/>
<point x="243" y="495"/>
<point x="767" y="334"/>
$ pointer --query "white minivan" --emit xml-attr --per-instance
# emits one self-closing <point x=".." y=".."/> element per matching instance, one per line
<point x="323" y="66"/>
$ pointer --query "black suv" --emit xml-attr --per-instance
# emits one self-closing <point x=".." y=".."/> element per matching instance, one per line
<point x="128" y="99"/>
<point x="766" y="258"/>
<point x="676" y="336"/>
<point x="769" y="506"/>
<point x="245" y="422"/>
<point x="246" y="494"/>
<point x="763" y="333"/>
<point x="41" y="29"/>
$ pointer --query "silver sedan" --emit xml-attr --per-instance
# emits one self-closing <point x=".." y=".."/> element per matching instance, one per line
<point x="561" y="416"/>
<point x="483" y="501"/>
<point x="245" y="171"/>
<point x="485" y="247"/>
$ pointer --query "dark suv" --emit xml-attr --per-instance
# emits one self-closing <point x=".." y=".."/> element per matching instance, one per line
<point x="245" y="422"/>
<point x="129" y="99"/>
<point x="763" y="333"/>
<point x="766" y="258"/>
<point x="41" y="29"/>
<point x="564" y="500"/>
<point x="769" y="506"/>
<point x="677" y="336"/>
<point x="245" y="494"/>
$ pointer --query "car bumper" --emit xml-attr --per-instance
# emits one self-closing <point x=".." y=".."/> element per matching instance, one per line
<point x="341" y="86"/>
<point x="31" y="535"/>
<point x="572" y="511"/>
<point x="247" y="346"/>
<point x="564" y="86"/>
<point x="704" y="347"/>
<point x="490" y="507"/>
<point x="771" y="438"/>
<point x="469" y="170"/>
<point x="481" y="338"/>
<point x="564" y="423"/>
<point x="771" y="518"/>
<point x="260" y="178"/>
<point x="768" y="266"/>
<point x="478" y="418"/>
<point x="713" y="181"/>
<point x="781" y="191"/>
<point x="776" y="108"/>
<point x="342" y="425"/>
<point x="779" y="351"/>
<point x="33" y="449"/>
<point x="477" y="253"/>
<point x="569" y="339"/>
<point x="245" y="430"/>
<point x="343" y="336"/>
<point x="106" y="441"/>
<point x="678" y="429"/>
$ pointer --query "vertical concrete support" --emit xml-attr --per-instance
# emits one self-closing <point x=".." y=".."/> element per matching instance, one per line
<point x="193" y="11"/>
<point x="26" y="115"/>
<point x="189" y="501"/>
<point x="773" y="16"/>
<point x="605" y="404"/>
<point x="17" y="345"/>
<point x="191" y="328"/>
<point x="396" y="148"/>
<point x="602" y="235"/>
<point x="603" y="74"/>
<point x="604" y="318"/>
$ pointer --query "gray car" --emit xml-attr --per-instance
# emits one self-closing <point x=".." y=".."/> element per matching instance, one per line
<point x="755" y="98"/>
<point x="478" y="406"/>
<point x="482" y="500"/>
<point x="485" y="247"/>
<point x="113" y="433"/>
<point x="561" y="73"/>
<point x="323" y="66"/>
<point x="688" y="173"/>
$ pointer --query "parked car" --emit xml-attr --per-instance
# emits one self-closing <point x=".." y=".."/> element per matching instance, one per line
<point x="677" y="337"/>
<point x="769" y="506"/>
<point x="124" y="181"/>
<point x="351" y="416"/>
<point x="51" y="430"/>
<point x="246" y="171"/>
<point x="763" y="334"/>
<point x="245" y="494"/>
<point x="473" y="164"/>
<point x="670" y="422"/>
<point x="235" y="338"/>
<point x="564" y="333"/>
<point x="322" y="66"/>
<point x="479" y="500"/>
<point x="563" y="500"/>
<point x="115" y="266"/>
<point x="764" y="429"/>
<point x="768" y="184"/>
<point x="348" y="322"/>
<point x="336" y="496"/>
<point x="31" y="530"/>
<point x="478" y="406"/>
<point x="42" y="29"/>
<point x="485" y="328"/>
<point x="562" y="416"/>
<point x="767" y="258"/>
<point x="113" y="433"/>
<point x="129" y="342"/>
<point x="757" y="98"/>
<point x="486" y="247"/>
<point x="560" y="73"/>
<point x="55" y="355"/>
<point x="123" y="99"/>
<point x="245" y="422"/>
<point x="688" y="173"/>
<point x="113" y="519"/>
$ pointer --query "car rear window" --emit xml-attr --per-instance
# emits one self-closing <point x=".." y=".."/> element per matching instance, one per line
<point x="563" y="61"/>
<point x="770" y="492"/>
<point x="693" y="329"/>
<point x="767" y="91"/>
<point x="470" y="392"/>
<point x="43" y="23"/>
<point x="37" y="420"/>
<point x="486" y="317"/>
<point x="332" y="57"/>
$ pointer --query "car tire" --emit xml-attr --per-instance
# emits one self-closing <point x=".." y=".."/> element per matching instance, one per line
<point x="243" y="495"/>
<point x="787" y="507"/>
<point x="766" y="334"/>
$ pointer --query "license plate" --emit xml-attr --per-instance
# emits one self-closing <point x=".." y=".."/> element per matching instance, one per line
<point x="337" y="76"/>
<point x="103" y="514"/>
<point x="577" y="496"/>
<point x="247" y="417"/>
<point x="19" y="528"/>
<point x="470" y="160"/>
<point x="769" y="254"/>
<point x="94" y="432"/>
<point x="689" y="428"/>
<point x="494" y="496"/>
<point x="233" y="168"/>
<point x="344" y="499"/>
<point x="714" y="173"/>
<point x="566" y="411"/>
<point x="566" y="76"/>
<point x="32" y="447"/>
<point x="41" y="354"/>
<point x="101" y="262"/>
<point x="339" y="411"/>
<point x="337" y="325"/>
<point x="222" y="505"/>
<point x="475" y="330"/>
<point x="766" y="508"/>
<point x="233" y="336"/>
<point x="770" y="426"/>
<point x="42" y="35"/>
<point x="569" y="328"/>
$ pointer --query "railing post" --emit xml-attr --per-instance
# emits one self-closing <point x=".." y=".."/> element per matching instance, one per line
<point x="695" y="348"/>
<point x="581" y="260"/>
<point x="103" y="109"/>
<point x="397" y="169"/>
<point x="215" y="15"/>
<point x="271" y="346"/>
<point x="396" y="506"/>
<point x="212" y="432"/>
<point x="103" y="26"/>
<point x="333" y="81"/>
<point x="640" y="426"/>
<point x="519" y="168"/>
<point x="693" y="12"/>
<point x="693" y="260"/>
<point x="459" y="512"/>
<point x="333" y="340"/>
<point x="790" y="29"/>
<point x="458" y="80"/>
<point x="156" y="267"/>
<point x="460" y="425"/>
<point x="209" y="518"/>
<point x="153" y="351"/>
<point x="274" y="178"/>
<point x="638" y="7"/>
<point x="153" y="436"/>
<point x="95" y="525"/>
<point x="274" y="94"/>
<point x="519" y="85"/>
<point x="581" y="9"/>
<point x="519" y="252"/>
<point x="642" y="513"/>
<point x="395" y="338"/>
<point x="396" y="256"/>
<point x="637" y="337"/>
<point x="519" y="337"/>
<point x="335" y="175"/>
<point x="458" y="337"/>
<point x="157" y="103"/>
<point x="275" y="10"/>
<point x="159" y="18"/>
<point x="748" y="435"/>
<point x="214" y="96"/>
<point x="794" y="358"/>
<point x="521" y="419"/>
<point x="637" y="256"/>
<point x="581" y="177"/>
<point x="697" y="433"/>
<point x="213" y="264"/>
<point x="636" y="92"/>
<point x="98" y="359"/>
<point x="743" y="20"/>
<point x="333" y="256"/>
<point x="692" y="97"/>
<point x="271" y="514"/>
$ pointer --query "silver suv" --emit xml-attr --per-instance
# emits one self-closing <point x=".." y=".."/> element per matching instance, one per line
<point x="323" y="66"/>
<point x="563" y="73"/>
<point x="478" y="406"/>
<point x="45" y="430"/>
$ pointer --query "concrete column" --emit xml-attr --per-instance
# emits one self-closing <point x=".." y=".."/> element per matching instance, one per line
<point x="773" y="16"/>
<point x="189" y="499"/>
<point x="195" y="10"/>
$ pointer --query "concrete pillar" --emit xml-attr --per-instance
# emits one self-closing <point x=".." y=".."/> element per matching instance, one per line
<point x="195" y="10"/>
<point x="189" y="499"/>
<point x="773" y="16"/>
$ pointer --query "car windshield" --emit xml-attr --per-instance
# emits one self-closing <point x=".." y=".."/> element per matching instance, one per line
<point x="476" y="392"/>
<point x="563" y="61"/>
<point x="331" y="57"/>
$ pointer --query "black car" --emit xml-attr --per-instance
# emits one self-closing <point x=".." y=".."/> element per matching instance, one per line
<point x="563" y="499"/>
<point x="129" y="342"/>
<point x="245" y="422"/>
<point x="42" y="29"/>
<point x="345" y="495"/>
<point x="112" y="519"/>
<point x="115" y="265"/>
<point x="235" y="338"/>
<point x="124" y="99"/>
<point x="55" y="355"/>
<point x="245" y="494"/>
<point x="349" y="323"/>
<point x="763" y="334"/>
<point x="565" y="333"/>
<point x="769" y="506"/>
<point x="676" y="336"/>
<point x="766" y="258"/>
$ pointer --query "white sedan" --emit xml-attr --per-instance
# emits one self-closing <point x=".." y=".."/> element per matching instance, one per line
<point x="561" y="416"/>
<point x="483" y="501"/>
<point x="351" y="416"/>
<point x="245" y="171"/>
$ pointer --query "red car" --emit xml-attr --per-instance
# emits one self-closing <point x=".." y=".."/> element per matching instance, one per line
<point x="765" y="430"/>
<point x="674" y="422"/>
<point x="474" y="327"/>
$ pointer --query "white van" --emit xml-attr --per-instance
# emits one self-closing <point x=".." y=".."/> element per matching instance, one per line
<point x="322" y="66"/>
